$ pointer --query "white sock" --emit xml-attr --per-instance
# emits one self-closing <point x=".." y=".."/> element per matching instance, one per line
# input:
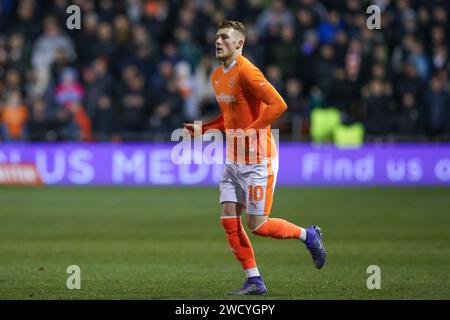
<point x="252" y="272"/>
<point x="302" y="234"/>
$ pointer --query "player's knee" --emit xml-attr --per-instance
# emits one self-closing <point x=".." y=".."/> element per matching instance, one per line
<point x="260" y="231"/>
<point x="228" y="213"/>
<point x="231" y="209"/>
<point x="257" y="226"/>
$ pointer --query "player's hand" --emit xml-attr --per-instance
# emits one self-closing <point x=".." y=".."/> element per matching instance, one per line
<point x="191" y="128"/>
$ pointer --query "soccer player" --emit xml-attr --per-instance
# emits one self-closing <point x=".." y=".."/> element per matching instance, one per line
<point x="249" y="102"/>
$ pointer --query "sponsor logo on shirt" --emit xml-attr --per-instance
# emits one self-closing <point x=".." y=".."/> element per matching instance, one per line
<point x="226" y="98"/>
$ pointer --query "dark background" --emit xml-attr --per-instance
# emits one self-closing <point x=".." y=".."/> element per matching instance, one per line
<point x="138" y="68"/>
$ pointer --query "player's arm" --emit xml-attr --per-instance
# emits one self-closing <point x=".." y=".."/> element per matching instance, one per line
<point x="253" y="80"/>
<point x="216" y="123"/>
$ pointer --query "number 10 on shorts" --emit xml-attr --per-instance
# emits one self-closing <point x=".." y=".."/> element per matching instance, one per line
<point x="255" y="193"/>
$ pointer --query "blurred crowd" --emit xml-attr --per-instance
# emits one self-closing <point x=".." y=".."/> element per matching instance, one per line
<point x="138" y="68"/>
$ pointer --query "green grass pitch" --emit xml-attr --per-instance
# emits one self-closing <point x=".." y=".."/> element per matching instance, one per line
<point x="168" y="243"/>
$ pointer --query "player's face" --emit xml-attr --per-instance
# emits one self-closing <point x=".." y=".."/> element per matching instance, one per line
<point x="227" y="42"/>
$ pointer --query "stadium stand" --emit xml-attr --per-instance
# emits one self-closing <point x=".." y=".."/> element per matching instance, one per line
<point x="138" y="68"/>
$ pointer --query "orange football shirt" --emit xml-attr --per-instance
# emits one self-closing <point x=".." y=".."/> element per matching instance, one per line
<point x="247" y="101"/>
<point x="14" y="119"/>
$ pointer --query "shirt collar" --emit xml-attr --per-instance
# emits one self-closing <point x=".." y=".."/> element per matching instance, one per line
<point x="225" y="70"/>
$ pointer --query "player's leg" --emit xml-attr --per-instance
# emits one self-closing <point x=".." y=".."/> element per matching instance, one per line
<point x="260" y="184"/>
<point x="237" y="237"/>
<point x="274" y="227"/>
<point x="232" y="198"/>
<point x="261" y="181"/>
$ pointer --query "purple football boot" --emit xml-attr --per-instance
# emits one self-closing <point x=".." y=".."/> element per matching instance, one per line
<point x="315" y="246"/>
<point x="252" y="286"/>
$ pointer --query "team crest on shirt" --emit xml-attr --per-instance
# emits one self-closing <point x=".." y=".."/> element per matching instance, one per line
<point x="232" y="81"/>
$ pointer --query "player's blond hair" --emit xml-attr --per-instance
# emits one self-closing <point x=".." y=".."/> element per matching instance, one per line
<point x="236" y="25"/>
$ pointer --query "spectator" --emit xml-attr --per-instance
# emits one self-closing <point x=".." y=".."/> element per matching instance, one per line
<point x="295" y="98"/>
<point x="418" y="59"/>
<point x="189" y="51"/>
<point x="409" y="81"/>
<point x="377" y="109"/>
<point x="273" y="18"/>
<point x="408" y="116"/>
<point x="309" y="58"/>
<point x="285" y="53"/>
<point x="105" y="44"/>
<point x="159" y="80"/>
<point x="40" y="128"/>
<point x="45" y="123"/>
<point x="13" y="80"/>
<point x="340" y="46"/>
<point x="122" y="32"/>
<point x="185" y="82"/>
<point x="141" y="52"/>
<point x="28" y="21"/>
<point x="255" y="49"/>
<point x="166" y="116"/>
<point x="134" y="104"/>
<point x="440" y="58"/>
<point x="3" y="58"/>
<point x="296" y="117"/>
<point x="19" y="52"/>
<point x="77" y="125"/>
<point x="316" y="98"/>
<point x="69" y="90"/>
<point x="437" y="115"/>
<point x="304" y="22"/>
<point x="59" y="10"/>
<point x="134" y="10"/>
<point x="341" y="90"/>
<point x="328" y="29"/>
<point x="14" y="117"/>
<point x="253" y="10"/>
<point x="104" y="118"/>
<point x="203" y="92"/>
<point x="325" y="65"/>
<point x="275" y="77"/>
<point x="106" y="10"/>
<point x="155" y="19"/>
<point x="89" y="35"/>
<point x="98" y="83"/>
<point x="45" y="49"/>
